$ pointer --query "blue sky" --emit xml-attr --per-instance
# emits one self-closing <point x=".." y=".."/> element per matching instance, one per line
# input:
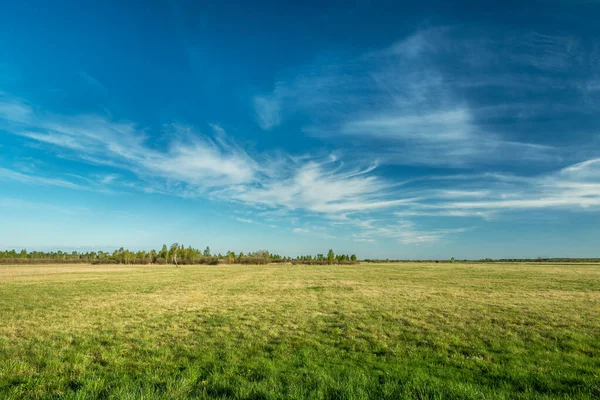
<point x="385" y="129"/>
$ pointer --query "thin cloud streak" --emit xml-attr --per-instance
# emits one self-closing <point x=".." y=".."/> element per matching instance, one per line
<point x="197" y="165"/>
<point x="391" y="107"/>
<point x="406" y="105"/>
<point x="10" y="175"/>
<point x="404" y="232"/>
<point x="268" y="111"/>
<point x="197" y="159"/>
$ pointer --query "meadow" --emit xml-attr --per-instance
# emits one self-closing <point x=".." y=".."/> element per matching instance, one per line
<point x="417" y="331"/>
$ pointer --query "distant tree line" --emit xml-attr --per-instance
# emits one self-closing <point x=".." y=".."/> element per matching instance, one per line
<point x="180" y="255"/>
<point x="330" y="258"/>
<point x="491" y="260"/>
<point x="175" y="254"/>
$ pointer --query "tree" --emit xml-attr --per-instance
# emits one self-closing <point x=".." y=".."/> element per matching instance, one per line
<point x="174" y="251"/>
<point x="153" y="256"/>
<point x="330" y="256"/>
<point x="190" y="256"/>
<point x="164" y="252"/>
<point x="353" y="257"/>
<point x="207" y="252"/>
<point x="120" y="255"/>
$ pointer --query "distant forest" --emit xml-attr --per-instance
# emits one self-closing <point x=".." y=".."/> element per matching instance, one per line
<point x="175" y="254"/>
<point x="555" y="260"/>
<point x="178" y="254"/>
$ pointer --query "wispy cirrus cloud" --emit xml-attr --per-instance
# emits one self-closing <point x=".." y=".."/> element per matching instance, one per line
<point x="92" y="81"/>
<point x="192" y="164"/>
<point x="576" y="187"/>
<point x="403" y="231"/>
<point x="108" y="178"/>
<point x="419" y="101"/>
<point x="322" y="187"/>
<point x="33" y="176"/>
<point x="190" y="158"/>
<point x="21" y="204"/>
<point x="268" y="110"/>
<point x="389" y="108"/>
<point x="10" y="175"/>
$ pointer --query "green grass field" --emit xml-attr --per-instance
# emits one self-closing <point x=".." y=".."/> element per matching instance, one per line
<point x="322" y="332"/>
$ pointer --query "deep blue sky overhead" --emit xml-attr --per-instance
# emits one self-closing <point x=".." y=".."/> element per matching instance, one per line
<point x="386" y="129"/>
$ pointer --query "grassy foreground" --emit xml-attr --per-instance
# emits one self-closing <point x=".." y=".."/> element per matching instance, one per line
<point x="254" y="332"/>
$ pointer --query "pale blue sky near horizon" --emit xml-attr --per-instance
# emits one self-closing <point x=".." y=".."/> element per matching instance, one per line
<point x="383" y="128"/>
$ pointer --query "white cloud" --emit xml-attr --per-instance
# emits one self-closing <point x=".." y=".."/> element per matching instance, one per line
<point x="441" y="126"/>
<point x="462" y="193"/>
<point x="547" y="52"/>
<point x="486" y="215"/>
<point x="32" y="205"/>
<point x="321" y="188"/>
<point x="587" y="170"/>
<point x="109" y="178"/>
<point x="194" y="159"/>
<point x="201" y="162"/>
<point x="412" y="103"/>
<point x="388" y="108"/>
<point x="191" y="164"/>
<point x="91" y="80"/>
<point x="268" y="111"/>
<point x="576" y="187"/>
<point x="365" y="240"/>
<point x="402" y="231"/>
<point x="8" y="174"/>
<point x="14" y="110"/>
